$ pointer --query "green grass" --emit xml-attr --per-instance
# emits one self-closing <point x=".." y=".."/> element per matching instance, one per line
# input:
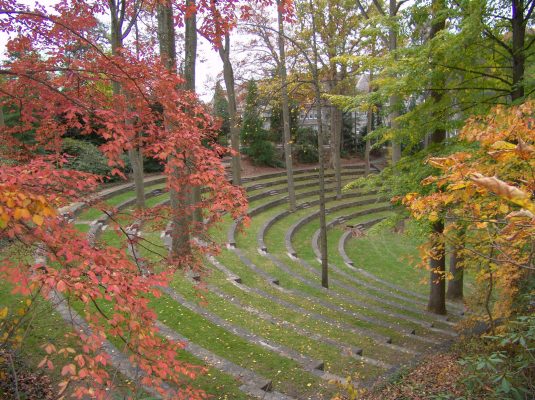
<point x="335" y="362"/>
<point x="286" y="374"/>
<point x="93" y="213"/>
<point x="387" y="255"/>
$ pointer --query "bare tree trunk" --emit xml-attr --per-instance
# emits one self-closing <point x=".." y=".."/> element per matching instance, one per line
<point x="134" y="154"/>
<point x="455" y="285"/>
<point x="180" y="236"/>
<point x="228" y="75"/>
<point x="369" y="118"/>
<point x="394" y="99"/>
<point x="336" y="142"/>
<point x="190" y="57"/>
<point x="321" y="156"/>
<point x="285" y="112"/>
<point x="437" y="264"/>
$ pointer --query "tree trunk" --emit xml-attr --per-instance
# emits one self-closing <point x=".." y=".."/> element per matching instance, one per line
<point x="228" y="75"/>
<point x="519" y="60"/>
<point x="285" y="112"/>
<point x="367" y="167"/>
<point x="180" y="237"/>
<point x="394" y="99"/>
<point x="455" y="285"/>
<point x="437" y="264"/>
<point x="317" y="95"/>
<point x="190" y="57"/>
<point x="437" y="294"/>
<point x="336" y="135"/>
<point x="134" y="154"/>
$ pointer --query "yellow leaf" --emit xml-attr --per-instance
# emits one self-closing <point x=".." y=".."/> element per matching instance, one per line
<point x="503" y="208"/>
<point x="3" y="313"/>
<point x="433" y="216"/>
<point x="502" y="145"/>
<point x="37" y="220"/>
<point x="457" y="185"/>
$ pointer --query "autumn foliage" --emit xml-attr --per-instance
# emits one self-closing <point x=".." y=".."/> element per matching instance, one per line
<point x="59" y="78"/>
<point x="488" y="192"/>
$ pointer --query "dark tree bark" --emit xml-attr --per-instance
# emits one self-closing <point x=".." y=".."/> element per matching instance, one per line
<point x="336" y="143"/>
<point x="190" y="58"/>
<point x="437" y="264"/>
<point x="455" y="285"/>
<point x="228" y="76"/>
<point x="518" y="24"/>
<point x="437" y="293"/>
<point x="394" y="99"/>
<point x="180" y="235"/>
<point x="321" y="177"/>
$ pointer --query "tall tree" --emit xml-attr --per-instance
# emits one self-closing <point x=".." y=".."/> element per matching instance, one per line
<point x="220" y="110"/>
<point x="180" y="228"/>
<point x="190" y="59"/>
<point x="437" y="263"/>
<point x="285" y="108"/>
<point x="120" y="29"/>
<point x="321" y="154"/>
<point x="228" y="76"/>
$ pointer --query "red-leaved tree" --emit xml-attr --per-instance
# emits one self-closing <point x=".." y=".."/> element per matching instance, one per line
<point x="59" y="78"/>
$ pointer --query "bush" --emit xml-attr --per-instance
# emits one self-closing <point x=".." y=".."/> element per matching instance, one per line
<point x="306" y="146"/>
<point x="86" y="157"/>
<point x="504" y="369"/>
<point x="262" y="152"/>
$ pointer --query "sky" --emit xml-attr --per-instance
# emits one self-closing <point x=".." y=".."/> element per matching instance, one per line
<point x="209" y="65"/>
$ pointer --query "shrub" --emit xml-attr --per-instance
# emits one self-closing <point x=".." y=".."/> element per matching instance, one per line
<point x="86" y="157"/>
<point x="505" y="368"/>
<point x="262" y="152"/>
<point x="306" y="146"/>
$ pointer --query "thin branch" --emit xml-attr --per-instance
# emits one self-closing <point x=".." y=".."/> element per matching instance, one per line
<point x="498" y="40"/>
<point x="378" y="6"/>
<point x="530" y="11"/>
<point x="362" y="10"/>
<point x="474" y="72"/>
<point x="15" y="377"/>
<point x="399" y="5"/>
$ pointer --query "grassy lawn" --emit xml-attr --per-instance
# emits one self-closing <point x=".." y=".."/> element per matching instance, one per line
<point x="292" y="303"/>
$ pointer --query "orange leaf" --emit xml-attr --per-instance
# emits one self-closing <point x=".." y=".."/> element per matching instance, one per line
<point x="37" y="220"/>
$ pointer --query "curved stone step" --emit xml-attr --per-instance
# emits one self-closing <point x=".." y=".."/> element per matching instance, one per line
<point x="345" y="349"/>
<point x="379" y="338"/>
<point x="292" y="253"/>
<point x="308" y="363"/>
<point x="409" y="333"/>
<point x="231" y="232"/>
<point x="261" y="185"/>
<point x="260" y="386"/>
<point x="270" y="222"/>
<point x="303" y="171"/>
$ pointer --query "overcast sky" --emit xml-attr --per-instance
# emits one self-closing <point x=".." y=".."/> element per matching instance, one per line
<point x="209" y="65"/>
